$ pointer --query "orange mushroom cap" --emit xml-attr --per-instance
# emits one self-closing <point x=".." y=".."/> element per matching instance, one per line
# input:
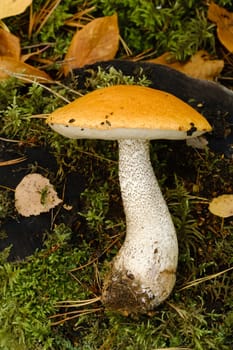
<point x="128" y="111"/>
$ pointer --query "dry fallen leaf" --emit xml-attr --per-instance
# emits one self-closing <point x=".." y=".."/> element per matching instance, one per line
<point x="10" y="8"/>
<point x="224" y="21"/>
<point x="202" y="66"/>
<point x="12" y="67"/>
<point x="11" y="61"/>
<point x="9" y="44"/>
<point x="96" y="41"/>
<point x="222" y="206"/>
<point x="35" y="195"/>
<point x="199" y="66"/>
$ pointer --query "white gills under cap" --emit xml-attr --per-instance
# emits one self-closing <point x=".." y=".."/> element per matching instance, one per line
<point x="128" y="112"/>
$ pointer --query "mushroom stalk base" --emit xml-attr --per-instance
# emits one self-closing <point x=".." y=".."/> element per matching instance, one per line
<point x="144" y="271"/>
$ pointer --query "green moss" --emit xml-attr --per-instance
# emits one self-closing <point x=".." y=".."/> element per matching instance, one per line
<point x="6" y="204"/>
<point x="30" y="289"/>
<point x="177" y="26"/>
<point x="103" y="78"/>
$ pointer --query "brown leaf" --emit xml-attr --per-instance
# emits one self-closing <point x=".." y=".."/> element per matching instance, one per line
<point x="167" y="59"/>
<point x="203" y="67"/>
<point x="96" y="41"/>
<point x="199" y="66"/>
<point x="13" y="7"/>
<point x="222" y="206"/>
<point x="10" y="67"/>
<point x="9" y="45"/>
<point x="224" y="21"/>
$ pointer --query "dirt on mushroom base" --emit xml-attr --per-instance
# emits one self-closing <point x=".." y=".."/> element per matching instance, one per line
<point x="123" y="294"/>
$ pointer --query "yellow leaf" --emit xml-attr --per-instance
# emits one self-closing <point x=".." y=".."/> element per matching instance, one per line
<point x="224" y="21"/>
<point x="9" y="45"/>
<point x="199" y="66"/>
<point x="202" y="66"/>
<point x="222" y="206"/>
<point x="96" y="41"/>
<point x="12" y="67"/>
<point x="10" y="8"/>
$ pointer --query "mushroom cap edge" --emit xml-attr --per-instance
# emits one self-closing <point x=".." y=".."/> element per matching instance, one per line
<point x="128" y="111"/>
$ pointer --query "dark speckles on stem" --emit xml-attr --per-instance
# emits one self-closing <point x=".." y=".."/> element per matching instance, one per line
<point x="71" y="121"/>
<point x="191" y="130"/>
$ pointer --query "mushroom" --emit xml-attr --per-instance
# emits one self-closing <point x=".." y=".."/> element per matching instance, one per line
<point x="143" y="273"/>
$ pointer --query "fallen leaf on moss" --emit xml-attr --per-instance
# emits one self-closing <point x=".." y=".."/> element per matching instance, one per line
<point x="222" y="206"/>
<point x="202" y="66"/>
<point x="10" y="8"/>
<point x="35" y="195"/>
<point x="199" y="66"/>
<point x="224" y="22"/>
<point x="11" y="67"/>
<point x="11" y="61"/>
<point x="96" y="41"/>
<point x="10" y="45"/>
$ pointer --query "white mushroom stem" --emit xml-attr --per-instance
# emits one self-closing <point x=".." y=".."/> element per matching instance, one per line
<point x="143" y="272"/>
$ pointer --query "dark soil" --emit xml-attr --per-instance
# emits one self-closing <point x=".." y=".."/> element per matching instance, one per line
<point x="26" y="234"/>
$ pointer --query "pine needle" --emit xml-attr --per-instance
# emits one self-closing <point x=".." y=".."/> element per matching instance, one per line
<point x="204" y="279"/>
<point x="38" y="20"/>
<point x="13" y="161"/>
<point x="70" y="315"/>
